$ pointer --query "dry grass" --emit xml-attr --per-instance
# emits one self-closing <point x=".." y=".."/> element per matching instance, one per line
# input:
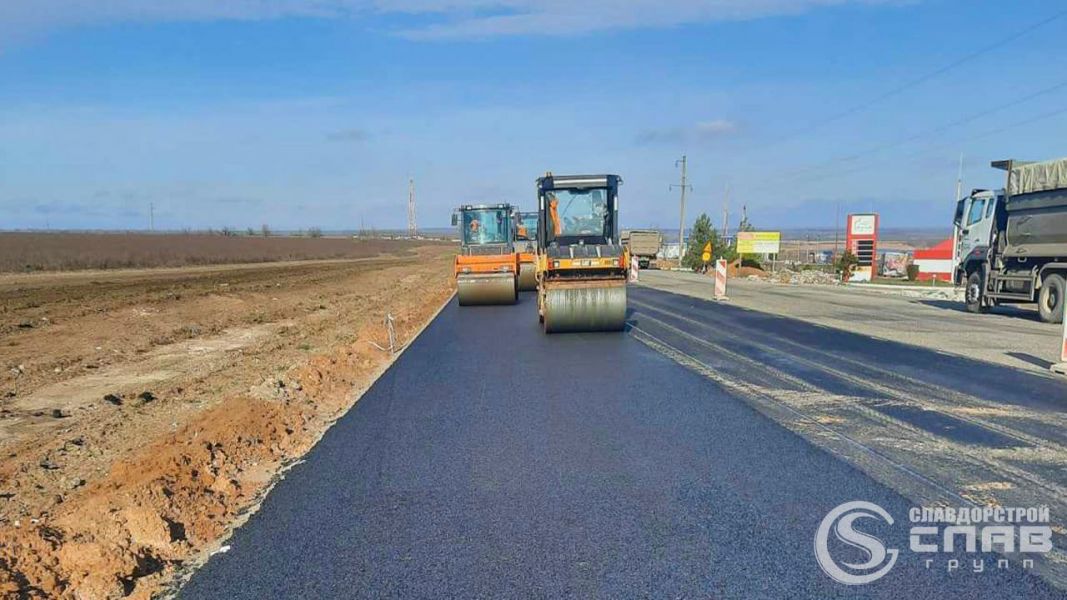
<point x="26" y="252"/>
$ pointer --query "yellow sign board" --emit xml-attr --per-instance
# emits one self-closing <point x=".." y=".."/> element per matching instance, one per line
<point x="706" y="255"/>
<point x="759" y="242"/>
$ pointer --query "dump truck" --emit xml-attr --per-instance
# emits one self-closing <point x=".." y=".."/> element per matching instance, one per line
<point x="487" y="265"/>
<point x="526" y="247"/>
<point x="644" y="244"/>
<point x="1011" y="244"/>
<point x="581" y="262"/>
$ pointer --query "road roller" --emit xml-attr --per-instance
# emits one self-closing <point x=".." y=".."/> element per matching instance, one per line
<point x="581" y="262"/>
<point x="487" y="266"/>
<point x="526" y="247"/>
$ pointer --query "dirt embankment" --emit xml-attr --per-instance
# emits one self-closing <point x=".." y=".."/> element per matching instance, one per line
<point x="143" y="413"/>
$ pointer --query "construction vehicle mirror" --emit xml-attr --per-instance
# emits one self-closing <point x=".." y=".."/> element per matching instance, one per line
<point x="455" y="220"/>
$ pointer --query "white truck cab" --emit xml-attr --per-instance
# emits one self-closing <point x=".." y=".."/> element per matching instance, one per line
<point x="975" y="224"/>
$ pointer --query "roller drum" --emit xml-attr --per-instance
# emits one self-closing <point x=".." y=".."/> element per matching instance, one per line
<point x="477" y="290"/>
<point x="568" y="309"/>
<point x="527" y="277"/>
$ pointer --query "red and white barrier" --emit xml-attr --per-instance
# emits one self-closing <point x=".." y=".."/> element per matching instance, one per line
<point x="634" y="268"/>
<point x="1061" y="367"/>
<point x="720" y="279"/>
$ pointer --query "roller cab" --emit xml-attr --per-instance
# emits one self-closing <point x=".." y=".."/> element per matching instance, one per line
<point x="581" y="262"/>
<point x="487" y="265"/>
<point x="526" y="248"/>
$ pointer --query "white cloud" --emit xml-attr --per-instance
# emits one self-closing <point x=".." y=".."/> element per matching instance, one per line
<point x="449" y="18"/>
<point x="714" y="128"/>
<point x="698" y="132"/>
<point x="348" y="135"/>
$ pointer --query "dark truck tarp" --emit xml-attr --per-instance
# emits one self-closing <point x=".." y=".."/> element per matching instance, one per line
<point x="1038" y="177"/>
<point x="1037" y="210"/>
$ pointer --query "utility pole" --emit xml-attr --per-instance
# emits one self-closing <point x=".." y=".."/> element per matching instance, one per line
<point x="151" y="216"/>
<point x="837" y="230"/>
<point x="413" y="229"/>
<point x="955" y="228"/>
<point x="684" y="185"/>
<point x="959" y="181"/>
<point x="726" y="214"/>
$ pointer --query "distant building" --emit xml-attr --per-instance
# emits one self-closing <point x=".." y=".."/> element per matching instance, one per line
<point x="669" y="251"/>
<point x="936" y="262"/>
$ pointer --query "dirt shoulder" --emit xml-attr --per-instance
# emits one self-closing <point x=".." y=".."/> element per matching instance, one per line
<point x="142" y="413"/>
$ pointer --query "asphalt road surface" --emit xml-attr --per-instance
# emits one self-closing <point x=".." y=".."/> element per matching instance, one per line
<point x="1011" y="335"/>
<point x="671" y="460"/>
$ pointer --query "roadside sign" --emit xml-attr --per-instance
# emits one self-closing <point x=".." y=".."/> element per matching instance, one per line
<point x="634" y="268"/>
<point x="706" y="255"/>
<point x="759" y="242"/>
<point x="861" y="238"/>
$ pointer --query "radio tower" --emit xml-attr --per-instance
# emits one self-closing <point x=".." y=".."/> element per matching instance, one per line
<point x="413" y="229"/>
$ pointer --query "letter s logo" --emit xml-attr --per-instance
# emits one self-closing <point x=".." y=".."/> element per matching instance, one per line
<point x="841" y="521"/>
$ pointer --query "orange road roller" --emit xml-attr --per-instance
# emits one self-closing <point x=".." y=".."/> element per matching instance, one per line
<point x="582" y="265"/>
<point x="487" y="266"/>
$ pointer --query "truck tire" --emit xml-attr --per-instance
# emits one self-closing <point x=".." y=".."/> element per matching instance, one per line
<point x="975" y="293"/>
<point x="1050" y="300"/>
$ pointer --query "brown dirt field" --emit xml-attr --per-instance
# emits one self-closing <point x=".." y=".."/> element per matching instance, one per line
<point x="216" y="378"/>
<point x="30" y="252"/>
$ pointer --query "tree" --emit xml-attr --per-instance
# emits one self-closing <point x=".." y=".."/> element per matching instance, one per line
<point x="744" y="225"/>
<point x="702" y="233"/>
<point x="265" y="230"/>
<point x="846" y="263"/>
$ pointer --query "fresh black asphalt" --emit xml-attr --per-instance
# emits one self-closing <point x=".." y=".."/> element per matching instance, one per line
<point x="493" y="461"/>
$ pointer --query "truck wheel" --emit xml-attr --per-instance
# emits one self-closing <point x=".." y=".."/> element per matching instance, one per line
<point x="1050" y="300"/>
<point x="975" y="294"/>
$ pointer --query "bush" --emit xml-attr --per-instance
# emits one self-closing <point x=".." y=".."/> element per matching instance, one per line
<point x="913" y="272"/>
<point x="845" y="263"/>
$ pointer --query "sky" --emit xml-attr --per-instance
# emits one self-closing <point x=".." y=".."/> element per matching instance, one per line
<point x="315" y="113"/>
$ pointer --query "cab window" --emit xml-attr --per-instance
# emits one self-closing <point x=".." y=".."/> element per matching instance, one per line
<point x="989" y="207"/>
<point x="977" y="207"/>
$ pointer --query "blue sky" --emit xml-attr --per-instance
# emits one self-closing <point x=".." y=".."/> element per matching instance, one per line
<point x="301" y="113"/>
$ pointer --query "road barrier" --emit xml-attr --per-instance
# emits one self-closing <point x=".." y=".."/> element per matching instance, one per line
<point x="634" y="268"/>
<point x="720" y="279"/>
<point x="1061" y="367"/>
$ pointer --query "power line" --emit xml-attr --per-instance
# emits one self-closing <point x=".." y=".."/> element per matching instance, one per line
<point x="929" y="132"/>
<point x="896" y="91"/>
<point x="985" y="134"/>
